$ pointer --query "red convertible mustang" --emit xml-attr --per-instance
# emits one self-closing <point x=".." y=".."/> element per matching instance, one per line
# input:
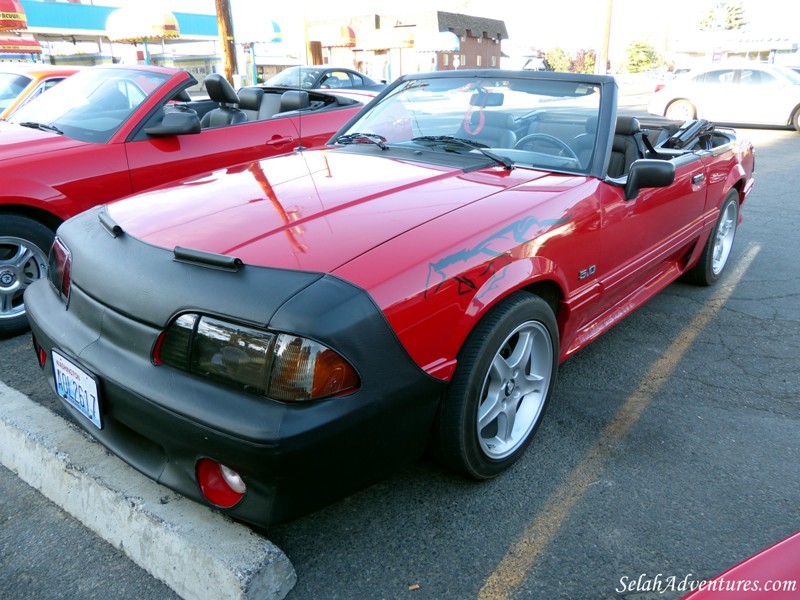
<point x="289" y="330"/>
<point x="112" y="131"/>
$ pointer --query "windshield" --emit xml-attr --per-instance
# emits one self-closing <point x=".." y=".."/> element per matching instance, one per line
<point x="791" y="75"/>
<point x="91" y="105"/>
<point x="295" y="77"/>
<point x="540" y="123"/>
<point x="11" y="86"/>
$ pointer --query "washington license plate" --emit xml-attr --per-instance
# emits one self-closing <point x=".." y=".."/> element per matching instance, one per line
<point x="77" y="387"/>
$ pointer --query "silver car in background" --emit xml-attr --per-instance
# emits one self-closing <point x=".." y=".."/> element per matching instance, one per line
<point x="735" y="93"/>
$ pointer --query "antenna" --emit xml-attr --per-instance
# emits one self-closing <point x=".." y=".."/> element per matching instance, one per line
<point x="300" y="146"/>
<point x="304" y="54"/>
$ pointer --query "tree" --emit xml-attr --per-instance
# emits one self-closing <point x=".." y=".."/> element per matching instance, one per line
<point x="724" y="15"/>
<point x="583" y="62"/>
<point x="558" y="59"/>
<point x="640" y="57"/>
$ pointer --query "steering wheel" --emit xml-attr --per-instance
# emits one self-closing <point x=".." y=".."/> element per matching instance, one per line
<point x="564" y="149"/>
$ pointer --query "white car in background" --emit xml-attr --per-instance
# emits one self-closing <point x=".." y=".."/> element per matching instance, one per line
<point x="743" y="94"/>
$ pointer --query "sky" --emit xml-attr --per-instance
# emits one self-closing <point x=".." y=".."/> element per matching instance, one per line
<point x="570" y="24"/>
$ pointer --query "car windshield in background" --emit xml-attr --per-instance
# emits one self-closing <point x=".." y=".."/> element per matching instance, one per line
<point x="296" y="77"/>
<point x="11" y="86"/>
<point x="91" y="105"/>
<point x="527" y="122"/>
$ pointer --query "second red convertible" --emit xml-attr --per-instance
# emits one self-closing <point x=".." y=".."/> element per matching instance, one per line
<point x="107" y="132"/>
<point x="289" y="330"/>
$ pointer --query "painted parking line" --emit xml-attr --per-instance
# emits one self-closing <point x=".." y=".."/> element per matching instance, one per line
<point x="521" y="557"/>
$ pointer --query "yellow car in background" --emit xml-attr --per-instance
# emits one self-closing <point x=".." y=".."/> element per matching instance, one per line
<point x="22" y="82"/>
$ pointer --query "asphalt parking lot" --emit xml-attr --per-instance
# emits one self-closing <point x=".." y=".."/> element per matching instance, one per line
<point x="671" y="448"/>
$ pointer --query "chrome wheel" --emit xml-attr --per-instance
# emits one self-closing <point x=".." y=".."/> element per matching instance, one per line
<point x="514" y="390"/>
<point x="21" y="263"/>
<point x="501" y="388"/>
<point x="723" y="239"/>
<point x="717" y="250"/>
<point x="24" y="244"/>
<point x="681" y="110"/>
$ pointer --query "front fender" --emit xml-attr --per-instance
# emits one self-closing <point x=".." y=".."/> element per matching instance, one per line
<point x="25" y="194"/>
<point x="506" y="280"/>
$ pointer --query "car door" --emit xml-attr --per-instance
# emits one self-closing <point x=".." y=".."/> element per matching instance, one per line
<point x="157" y="160"/>
<point x="644" y="239"/>
<point x="760" y="98"/>
<point x="713" y="94"/>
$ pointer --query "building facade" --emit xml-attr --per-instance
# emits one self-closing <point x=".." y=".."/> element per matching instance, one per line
<point x="385" y="46"/>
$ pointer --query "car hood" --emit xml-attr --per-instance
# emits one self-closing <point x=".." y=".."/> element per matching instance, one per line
<point x="312" y="210"/>
<point x="17" y="141"/>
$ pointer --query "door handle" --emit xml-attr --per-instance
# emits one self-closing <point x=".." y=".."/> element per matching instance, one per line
<point x="698" y="178"/>
<point x="280" y="141"/>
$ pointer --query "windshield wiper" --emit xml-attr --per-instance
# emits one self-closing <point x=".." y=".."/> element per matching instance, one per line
<point x="42" y="126"/>
<point x="449" y="140"/>
<point x="355" y="138"/>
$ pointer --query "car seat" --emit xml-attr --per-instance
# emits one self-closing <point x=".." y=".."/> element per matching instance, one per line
<point x="228" y="112"/>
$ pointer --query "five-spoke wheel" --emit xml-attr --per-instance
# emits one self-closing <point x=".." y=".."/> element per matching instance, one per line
<point x="717" y="250"/>
<point x="501" y="388"/>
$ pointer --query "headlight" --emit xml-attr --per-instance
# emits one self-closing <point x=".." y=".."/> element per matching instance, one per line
<point x="276" y="365"/>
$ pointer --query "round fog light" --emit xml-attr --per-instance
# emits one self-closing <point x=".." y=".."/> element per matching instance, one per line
<point x="221" y="485"/>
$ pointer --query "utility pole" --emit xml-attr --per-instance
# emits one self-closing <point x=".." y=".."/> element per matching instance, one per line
<point x="601" y="66"/>
<point x="225" y="26"/>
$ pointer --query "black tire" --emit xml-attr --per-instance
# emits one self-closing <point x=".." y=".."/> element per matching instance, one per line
<point x="796" y="120"/>
<point x="520" y="328"/>
<point x="24" y="246"/>
<point x="717" y="250"/>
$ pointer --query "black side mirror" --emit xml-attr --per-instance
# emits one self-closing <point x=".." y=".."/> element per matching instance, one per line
<point x="175" y="123"/>
<point x="648" y="173"/>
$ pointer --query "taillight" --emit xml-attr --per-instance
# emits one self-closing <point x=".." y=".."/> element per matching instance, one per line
<point x="221" y="485"/>
<point x="659" y="87"/>
<point x="275" y="365"/>
<point x="41" y="353"/>
<point x="60" y="268"/>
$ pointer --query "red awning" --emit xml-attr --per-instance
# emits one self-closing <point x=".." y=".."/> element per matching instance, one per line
<point x="12" y="16"/>
<point x="134" y="24"/>
<point x="19" y="46"/>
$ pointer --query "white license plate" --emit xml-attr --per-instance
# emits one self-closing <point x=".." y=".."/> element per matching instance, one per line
<point x="77" y="387"/>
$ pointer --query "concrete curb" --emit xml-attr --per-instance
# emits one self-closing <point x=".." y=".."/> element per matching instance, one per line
<point x="198" y="553"/>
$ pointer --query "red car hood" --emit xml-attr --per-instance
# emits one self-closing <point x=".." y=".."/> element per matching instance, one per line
<point x="313" y="210"/>
<point x="18" y="142"/>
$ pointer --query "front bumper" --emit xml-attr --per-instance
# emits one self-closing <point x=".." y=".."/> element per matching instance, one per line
<point x="294" y="458"/>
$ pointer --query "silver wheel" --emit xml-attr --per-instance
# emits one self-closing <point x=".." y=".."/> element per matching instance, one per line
<point x="723" y="238"/>
<point x="501" y="387"/>
<point x="514" y="390"/>
<point x="21" y="263"/>
<point x="24" y="245"/>
<point x="681" y="110"/>
<point x="717" y="250"/>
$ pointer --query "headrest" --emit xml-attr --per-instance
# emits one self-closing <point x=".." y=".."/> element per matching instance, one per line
<point x="219" y="90"/>
<point x="627" y="126"/>
<point x="492" y="119"/>
<point x="294" y="100"/>
<point x="250" y="98"/>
